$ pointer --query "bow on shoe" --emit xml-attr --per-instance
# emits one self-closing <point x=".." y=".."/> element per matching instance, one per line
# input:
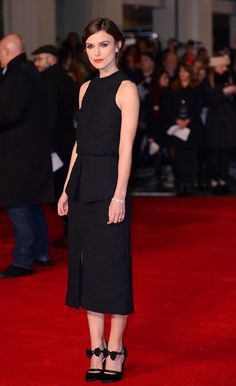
<point x="97" y="351"/>
<point x="112" y="354"/>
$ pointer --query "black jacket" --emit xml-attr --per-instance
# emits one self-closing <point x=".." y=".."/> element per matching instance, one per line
<point x="192" y="100"/>
<point x="157" y="113"/>
<point x="221" y="119"/>
<point x="25" y="161"/>
<point x="61" y="97"/>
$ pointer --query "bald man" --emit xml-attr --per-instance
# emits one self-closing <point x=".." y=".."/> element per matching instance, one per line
<point x="25" y="162"/>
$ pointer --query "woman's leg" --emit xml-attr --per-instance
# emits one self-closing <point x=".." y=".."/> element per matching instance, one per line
<point x="96" y="330"/>
<point x="118" y="324"/>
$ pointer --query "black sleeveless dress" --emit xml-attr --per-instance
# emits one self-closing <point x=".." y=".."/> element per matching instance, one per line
<point x="99" y="271"/>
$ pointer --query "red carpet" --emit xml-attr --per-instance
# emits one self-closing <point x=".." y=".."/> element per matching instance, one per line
<point x="184" y="330"/>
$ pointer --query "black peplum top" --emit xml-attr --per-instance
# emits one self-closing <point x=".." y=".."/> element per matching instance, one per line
<point x="94" y="174"/>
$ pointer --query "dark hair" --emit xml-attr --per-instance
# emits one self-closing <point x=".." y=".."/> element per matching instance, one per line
<point x="177" y="85"/>
<point x="190" y="42"/>
<point x="162" y="72"/>
<point x="150" y="55"/>
<point x="103" y="24"/>
<point x="187" y="67"/>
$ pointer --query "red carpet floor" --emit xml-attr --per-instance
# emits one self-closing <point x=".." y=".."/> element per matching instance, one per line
<point x="183" y="332"/>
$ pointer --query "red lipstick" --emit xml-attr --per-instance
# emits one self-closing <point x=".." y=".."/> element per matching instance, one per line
<point x="98" y="60"/>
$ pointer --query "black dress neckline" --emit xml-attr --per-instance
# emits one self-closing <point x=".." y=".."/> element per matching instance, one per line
<point x="108" y="76"/>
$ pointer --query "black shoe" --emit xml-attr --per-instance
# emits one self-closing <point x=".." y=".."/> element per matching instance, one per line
<point x="14" y="271"/>
<point x="224" y="190"/>
<point x="188" y="190"/>
<point x="43" y="263"/>
<point x="109" y="376"/>
<point x="94" y="374"/>
<point x="179" y="189"/>
<point x="215" y="190"/>
<point x="160" y="187"/>
<point x="221" y="190"/>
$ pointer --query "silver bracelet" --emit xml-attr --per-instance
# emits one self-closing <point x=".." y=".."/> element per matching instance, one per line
<point x="119" y="200"/>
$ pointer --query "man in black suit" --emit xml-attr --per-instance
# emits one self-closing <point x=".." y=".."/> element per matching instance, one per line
<point x="25" y="161"/>
<point x="61" y="98"/>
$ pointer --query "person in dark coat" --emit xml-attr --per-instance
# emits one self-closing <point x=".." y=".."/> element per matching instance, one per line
<point x="61" y="98"/>
<point x="157" y="118"/>
<point x="145" y="85"/>
<point x="25" y="161"/>
<point x="220" y="128"/>
<point x="185" y="106"/>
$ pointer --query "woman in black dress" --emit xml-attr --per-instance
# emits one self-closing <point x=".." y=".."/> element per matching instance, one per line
<point x="97" y="201"/>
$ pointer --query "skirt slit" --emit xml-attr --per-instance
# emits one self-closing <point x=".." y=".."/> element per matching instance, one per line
<point x="100" y="271"/>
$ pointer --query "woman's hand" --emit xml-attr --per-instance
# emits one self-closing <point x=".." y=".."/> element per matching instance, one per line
<point x="229" y="90"/>
<point x="116" y="212"/>
<point x="151" y="140"/>
<point x="62" y="206"/>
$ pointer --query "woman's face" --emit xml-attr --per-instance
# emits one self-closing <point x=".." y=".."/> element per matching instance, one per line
<point x="147" y="64"/>
<point x="101" y="49"/>
<point x="196" y="66"/>
<point x="164" y="80"/>
<point x="184" y="75"/>
<point x="171" y="61"/>
<point x="201" y="74"/>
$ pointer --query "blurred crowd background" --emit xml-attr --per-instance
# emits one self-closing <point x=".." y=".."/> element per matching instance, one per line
<point x="178" y="82"/>
<point x="176" y="79"/>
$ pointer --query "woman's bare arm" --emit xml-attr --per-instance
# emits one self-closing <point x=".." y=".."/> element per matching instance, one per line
<point x="72" y="161"/>
<point x="128" y="101"/>
<point x="62" y="207"/>
<point x="82" y="91"/>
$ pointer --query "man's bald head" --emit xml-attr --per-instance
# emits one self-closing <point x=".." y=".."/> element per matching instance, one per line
<point x="10" y="47"/>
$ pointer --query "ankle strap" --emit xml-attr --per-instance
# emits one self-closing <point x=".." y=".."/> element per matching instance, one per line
<point x="113" y="354"/>
<point x="97" y="351"/>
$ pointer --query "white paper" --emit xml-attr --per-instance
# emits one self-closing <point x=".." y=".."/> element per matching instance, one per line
<point x="178" y="132"/>
<point x="56" y="162"/>
<point x="153" y="148"/>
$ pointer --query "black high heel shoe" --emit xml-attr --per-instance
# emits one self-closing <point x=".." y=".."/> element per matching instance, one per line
<point x="94" y="374"/>
<point x="108" y="376"/>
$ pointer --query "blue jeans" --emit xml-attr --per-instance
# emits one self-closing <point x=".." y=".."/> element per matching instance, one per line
<point x="31" y="235"/>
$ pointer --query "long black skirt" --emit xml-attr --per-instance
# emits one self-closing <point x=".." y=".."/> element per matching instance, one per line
<point x="99" y="270"/>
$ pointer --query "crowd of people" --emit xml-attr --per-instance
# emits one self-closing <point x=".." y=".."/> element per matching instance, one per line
<point x="186" y="89"/>
<point x="37" y="107"/>
<point x="187" y="120"/>
<point x="179" y="86"/>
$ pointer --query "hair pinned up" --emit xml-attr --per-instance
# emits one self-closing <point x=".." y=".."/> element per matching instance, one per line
<point x="107" y="25"/>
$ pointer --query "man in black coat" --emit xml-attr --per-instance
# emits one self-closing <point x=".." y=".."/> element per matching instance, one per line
<point x="61" y="99"/>
<point x="25" y="161"/>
